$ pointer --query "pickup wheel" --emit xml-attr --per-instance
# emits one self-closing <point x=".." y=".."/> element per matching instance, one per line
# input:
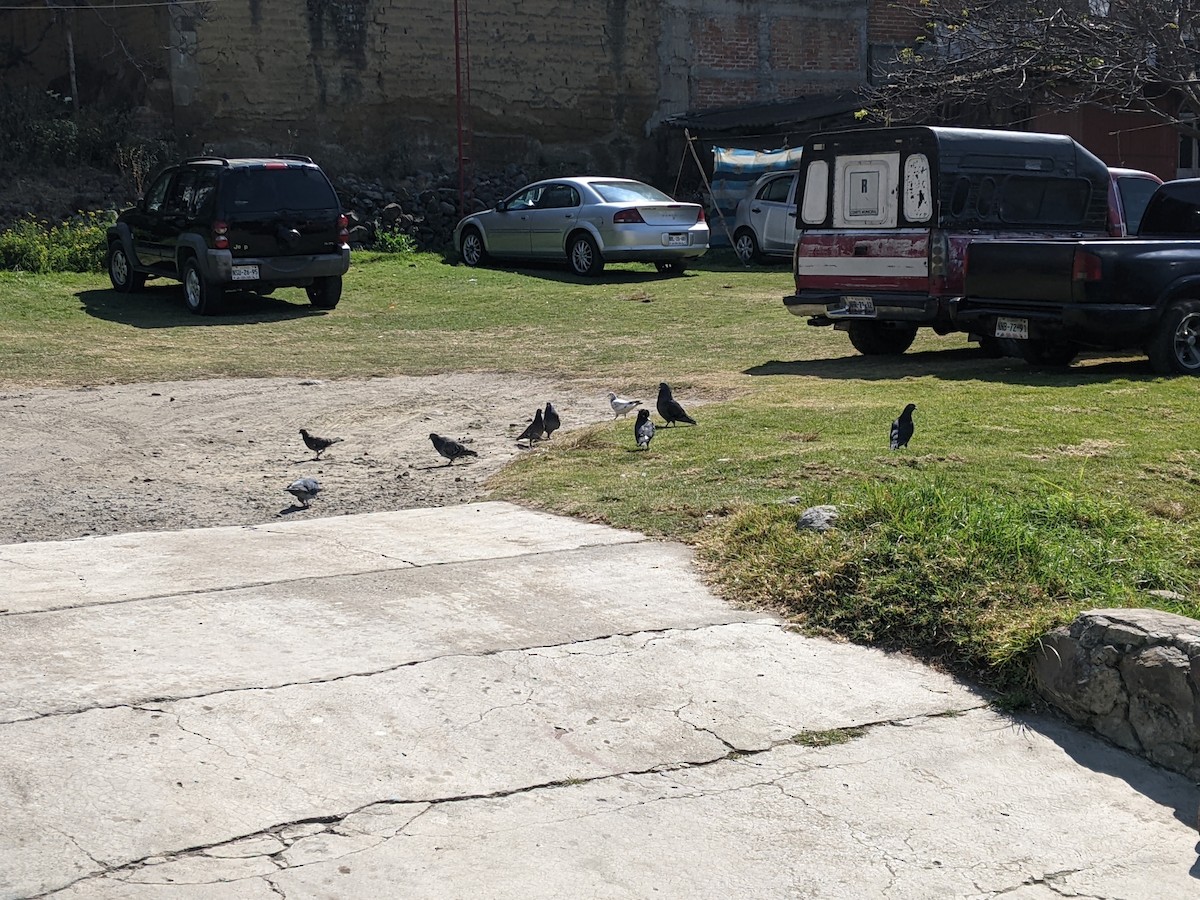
<point x="1175" y="347"/>
<point x="881" y="338"/>
<point x="1049" y="354"/>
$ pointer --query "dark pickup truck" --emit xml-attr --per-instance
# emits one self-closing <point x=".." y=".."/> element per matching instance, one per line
<point x="1047" y="300"/>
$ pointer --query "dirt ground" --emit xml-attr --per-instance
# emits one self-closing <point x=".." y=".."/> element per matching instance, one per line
<point x="172" y="455"/>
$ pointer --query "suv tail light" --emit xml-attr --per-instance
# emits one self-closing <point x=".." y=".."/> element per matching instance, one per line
<point x="343" y="229"/>
<point x="220" y="232"/>
<point x="1085" y="266"/>
<point x="628" y="217"/>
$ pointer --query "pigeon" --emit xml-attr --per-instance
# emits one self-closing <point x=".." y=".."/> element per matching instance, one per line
<point x="317" y="445"/>
<point x="669" y="408"/>
<point x="448" y="448"/>
<point x="620" y="405"/>
<point x="534" y="430"/>
<point x="643" y="429"/>
<point x="902" y="428"/>
<point x="550" y="420"/>
<point x="304" y="490"/>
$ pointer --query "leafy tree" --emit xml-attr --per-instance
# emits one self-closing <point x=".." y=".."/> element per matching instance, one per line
<point x="994" y="61"/>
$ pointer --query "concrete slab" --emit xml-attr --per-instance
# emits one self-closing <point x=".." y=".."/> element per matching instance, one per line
<point x="549" y="710"/>
<point x="63" y="574"/>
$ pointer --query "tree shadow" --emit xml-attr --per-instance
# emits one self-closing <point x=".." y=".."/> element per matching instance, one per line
<point x="162" y="306"/>
<point x="963" y="364"/>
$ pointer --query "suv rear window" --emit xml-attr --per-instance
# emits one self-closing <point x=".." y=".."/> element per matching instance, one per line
<point x="268" y="190"/>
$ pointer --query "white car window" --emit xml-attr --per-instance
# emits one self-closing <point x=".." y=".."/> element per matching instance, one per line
<point x="776" y="190"/>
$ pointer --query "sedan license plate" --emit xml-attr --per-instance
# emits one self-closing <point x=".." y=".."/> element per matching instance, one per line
<point x="677" y="240"/>
<point x="245" y="273"/>
<point x="1016" y="329"/>
<point x="858" y="306"/>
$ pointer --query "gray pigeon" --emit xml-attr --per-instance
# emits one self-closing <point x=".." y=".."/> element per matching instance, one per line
<point x="317" y="445"/>
<point x="534" y="430"/>
<point x="621" y="405"/>
<point x="550" y="420"/>
<point x="643" y="429"/>
<point x="902" y="428"/>
<point x="669" y="408"/>
<point x="448" y="448"/>
<point x="304" y="490"/>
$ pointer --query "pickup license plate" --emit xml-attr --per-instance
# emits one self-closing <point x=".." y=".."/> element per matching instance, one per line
<point x="1015" y="329"/>
<point x="245" y="273"/>
<point x="677" y="240"/>
<point x="856" y="306"/>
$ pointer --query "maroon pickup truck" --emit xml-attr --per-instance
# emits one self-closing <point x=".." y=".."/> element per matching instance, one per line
<point x="886" y="216"/>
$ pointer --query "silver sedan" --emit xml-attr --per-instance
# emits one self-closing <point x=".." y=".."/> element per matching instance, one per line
<point x="587" y="221"/>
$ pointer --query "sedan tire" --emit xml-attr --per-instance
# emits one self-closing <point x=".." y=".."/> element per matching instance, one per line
<point x="584" y="256"/>
<point x="472" y="249"/>
<point x="1175" y="348"/>
<point x="745" y="245"/>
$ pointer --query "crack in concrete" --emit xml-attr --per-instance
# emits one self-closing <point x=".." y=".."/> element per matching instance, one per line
<point x="370" y="673"/>
<point x="220" y="589"/>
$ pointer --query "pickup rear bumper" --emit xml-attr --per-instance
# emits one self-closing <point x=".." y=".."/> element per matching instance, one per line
<point x="826" y="308"/>
<point x="1103" y="325"/>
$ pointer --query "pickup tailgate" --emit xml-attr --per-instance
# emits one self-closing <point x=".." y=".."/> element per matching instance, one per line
<point x="1021" y="270"/>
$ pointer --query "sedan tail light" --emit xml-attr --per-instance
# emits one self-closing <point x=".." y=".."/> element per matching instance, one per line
<point x="628" y="217"/>
<point x="700" y="216"/>
<point x="220" y="231"/>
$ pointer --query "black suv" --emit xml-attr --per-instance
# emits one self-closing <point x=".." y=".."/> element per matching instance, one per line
<point x="216" y="223"/>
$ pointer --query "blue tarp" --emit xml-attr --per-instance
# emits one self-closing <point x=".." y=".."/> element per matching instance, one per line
<point x="734" y="171"/>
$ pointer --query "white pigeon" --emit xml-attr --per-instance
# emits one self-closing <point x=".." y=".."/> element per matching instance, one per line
<point x="304" y="489"/>
<point x="620" y="405"/>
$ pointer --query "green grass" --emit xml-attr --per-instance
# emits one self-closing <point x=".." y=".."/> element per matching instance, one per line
<point x="1024" y="497"/>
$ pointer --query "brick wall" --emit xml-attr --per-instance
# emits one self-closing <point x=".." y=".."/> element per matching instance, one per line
<point x="894" y="21"/>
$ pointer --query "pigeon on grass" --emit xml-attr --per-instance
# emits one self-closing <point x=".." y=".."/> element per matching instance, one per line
<point x="534" y="430"/>
<point x="448" y="448"/>
<point x="317" y="445"/>
<point x="621" y="405"/>
<point x="669" y="408"/>
<point x="902" y="428"/>
<point x="643" y="429"/>
<point x="550" y="420"/>
<point x="304" y="489"/>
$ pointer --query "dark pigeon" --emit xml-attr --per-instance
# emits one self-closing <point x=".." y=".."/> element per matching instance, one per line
<point x="448" y="448"/>
<point x="902" y="428"/>
<point x="643" y="429"/>
<point x="534" y="430"/>
<point x="550" y="420"/>
<point x="304" y="490"/>
<point x="317" y="445"/>
<point x="669" y="408"/>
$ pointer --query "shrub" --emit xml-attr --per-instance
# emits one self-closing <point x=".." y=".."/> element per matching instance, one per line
<point x="394" y="242"/>
<point x="77" y="245"/>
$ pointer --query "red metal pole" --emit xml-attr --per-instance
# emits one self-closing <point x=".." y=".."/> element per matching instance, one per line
<point x="458" y="93"/>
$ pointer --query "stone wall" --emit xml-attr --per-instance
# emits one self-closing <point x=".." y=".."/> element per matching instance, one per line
<point x="1133" y="675"/>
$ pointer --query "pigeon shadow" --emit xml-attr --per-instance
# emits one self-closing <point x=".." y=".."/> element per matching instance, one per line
<point x="162" y="306"/>
<point x="964" y="364"/>
<point x="294" y="508"/>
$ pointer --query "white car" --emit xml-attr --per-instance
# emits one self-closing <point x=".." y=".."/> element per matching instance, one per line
<point x="765" y="224"/>
<point x="587" y="221"/>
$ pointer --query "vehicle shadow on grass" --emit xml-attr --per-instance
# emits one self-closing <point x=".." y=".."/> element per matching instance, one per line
<point x="614" y="273"/>
<point x="162" y="306"/>
<point x="963" y="364"/>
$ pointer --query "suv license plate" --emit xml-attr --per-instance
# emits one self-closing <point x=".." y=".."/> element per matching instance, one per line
<point x="245" y="273"/>
<point x="677" y="240"/>
<point x="1016" y="329"/>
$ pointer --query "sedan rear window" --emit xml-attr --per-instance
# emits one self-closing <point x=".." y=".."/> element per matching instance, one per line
<point x="267" y="190"/>
<point x="628" y="192"/>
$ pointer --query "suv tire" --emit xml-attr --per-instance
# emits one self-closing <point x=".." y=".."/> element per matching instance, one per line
<point x="325" y="292"/>
<point x="880" y="338"/>
<point x="203" y="297"/>
<point x="121" y="272"/>
<point x="1173" y="350"/>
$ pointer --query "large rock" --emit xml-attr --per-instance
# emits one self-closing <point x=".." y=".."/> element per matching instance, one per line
<point x="1132" y="675"/>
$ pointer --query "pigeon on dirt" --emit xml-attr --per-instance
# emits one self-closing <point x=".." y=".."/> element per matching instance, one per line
<point x="902" y="428"/>
<point x="550" y="420"/>
<point x="643" y="429"/>
<point x="621" y="405"/>
<point x="317" y="445"/>
<point x="534" y="430"/>
<point x="304" y="490"/>
<point x="448" y="448"/>
<point x="669" y="408"/>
